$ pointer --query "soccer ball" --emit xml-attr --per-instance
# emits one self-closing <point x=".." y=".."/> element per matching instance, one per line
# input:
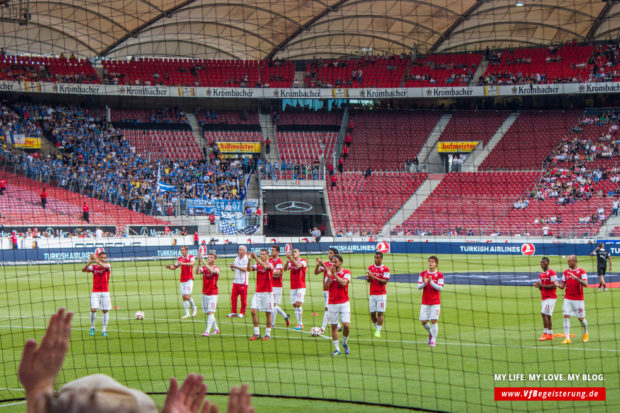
<point x="315" y="331"/>
<point x="139" y="315"/>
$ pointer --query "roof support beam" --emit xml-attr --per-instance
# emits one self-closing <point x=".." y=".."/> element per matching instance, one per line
<point x="303" y="27"/>
<point x="134" y="32"/>
<point x="453" y="27"/>
<point x="599" y="20"/>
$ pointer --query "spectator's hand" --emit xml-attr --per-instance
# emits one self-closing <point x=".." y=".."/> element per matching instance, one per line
<point x="189" y="397"/>
<point x="240" y="400"/>
<point x="40" y="366"/>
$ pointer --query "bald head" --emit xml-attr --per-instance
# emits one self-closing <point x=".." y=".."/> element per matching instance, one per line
<point x="571" y="260"/>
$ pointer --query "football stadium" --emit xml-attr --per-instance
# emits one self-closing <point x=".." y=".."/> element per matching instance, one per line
<point x="317" y="206"/>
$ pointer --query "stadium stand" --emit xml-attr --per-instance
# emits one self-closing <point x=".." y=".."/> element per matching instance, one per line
<point x="227" y="117"/>
<point x="47" y="69"/>
<point x="306" y="147"/>
<point x="163" y="144"/>
<point x="473" y="126"/>
<point x="166" y="115"/>
<point x="363" y="205"/>
<point x="385" y="140"/>
<point x="530" y="139"/>
<point x="22" y="207"/>
<point x="182" y="72"/>
<point x="468" y="203"/>
<point x="369" y="71"/>
<point x="566" y="64"/>
<point x="443" y="70"/>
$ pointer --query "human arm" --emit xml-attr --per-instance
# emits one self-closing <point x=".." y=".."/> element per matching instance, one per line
<point x="437" y="285"/>
<point x="370" y="276"/>
<point x="90" y="261"/>
<point x="319" y="268"/>
<point x="422" y="281"/>
<point x="580" y="280"/>
<point x="40" y="366"/>
<point x="239" y="400"/>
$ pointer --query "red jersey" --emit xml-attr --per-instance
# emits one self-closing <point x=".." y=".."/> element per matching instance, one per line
<point x="277" y="264"/>
<point x="101" y="277"/>
<point x="430" y="296"/>
<point x="339" y="294"/>
<point x="187" y="271"/>
<point x="85" y="208"/>
<point x="209" y="280"/>
<point x="263" y="278"/>
<point x="2" y="183"/>
<point x="196" y="236"/>
<point x="298" y="276"/>
<point x="326" y="266"/>
<point x="574" y="289"/>
<point x="547" y="278"/>
<point x="14" y="239"/>
<point x="382" y="272"/>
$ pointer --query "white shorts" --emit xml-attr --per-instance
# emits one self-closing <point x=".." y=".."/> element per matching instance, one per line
<point x="377" y="303"/>
<point x="340" y="312"/>
<point x="326" y="297"/>
<point x="547" y="306"/>
<point x="574" y="308"/>
<point x="262" y="302"/>
<point x="298" y="295"/>
<point x="277" y="295"/>
<point x="100" y="301"/>
<point x="429" y="312"/>
<point x="186" y="287"/>
<point x="209" y="303"/>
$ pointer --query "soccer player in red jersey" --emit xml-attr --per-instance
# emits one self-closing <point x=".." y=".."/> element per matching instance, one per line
<point x="100" y="297"/>
<point x="263" y="297"/>
<point x="186" y="262"/>
<point x="210" y="274"/>
<point x="339" y="306"/>
<point x="573" y="281"/>
<point x="323" y="268"/>
<point x="547" y="286"/>
<point x="378" y="276"/>
<point x="431" y="281"/>
<point x="297" y="266"/>
<point x="276" y="284"/>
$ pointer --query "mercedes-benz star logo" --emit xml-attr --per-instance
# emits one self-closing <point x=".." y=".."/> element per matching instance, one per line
<point x="293" y="206"/>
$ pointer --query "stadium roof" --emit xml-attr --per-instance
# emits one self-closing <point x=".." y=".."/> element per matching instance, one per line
<point x="297" y="29"/>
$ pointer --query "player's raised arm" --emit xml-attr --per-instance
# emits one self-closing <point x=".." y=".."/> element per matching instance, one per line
<point x="90" y="261"/>
<point x="319" y="266"/>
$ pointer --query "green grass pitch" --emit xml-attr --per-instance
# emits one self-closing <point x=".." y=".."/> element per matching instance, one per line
<point x="483" y="330"/>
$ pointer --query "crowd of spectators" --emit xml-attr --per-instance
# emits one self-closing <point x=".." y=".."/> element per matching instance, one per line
<point x="96" y="159"/>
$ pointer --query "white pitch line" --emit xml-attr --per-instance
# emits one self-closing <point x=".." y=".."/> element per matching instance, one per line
<point x="8" y="388"/>
<point x="2" y="406"/>
<point x="327" y="337"/>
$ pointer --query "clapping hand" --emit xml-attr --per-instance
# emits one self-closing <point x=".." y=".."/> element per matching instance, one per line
<point x="240" y="400"/>
<point x="189" y="397"/>
<point x="40" y="365"/>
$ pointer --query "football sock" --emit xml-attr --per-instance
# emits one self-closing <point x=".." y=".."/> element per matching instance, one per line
<point x="298" y="314"/>
<point x="379" y="328"/>
<point x="274" y="315"/>
<point x="93" y="316"/>
<point x="567" y="328"/>
<point x="584" y="324"/>
<point x="186" y="305"/>
<point x="268" y="332"/>
<point x="191" y="301"/>
<point x="324" y="321"/>
<point x="106" y="317"/>
<point x="279" y="310"/>
<point x="434" y="330"/>
<point x="257" y="331"/>
<point x="545" y="331"/>
<point x="550" y="331"/>
<point x="214" y="322"/>
<point x="427" y="326"/>
<point x="345" y="339"/>
<point x="337" y="345"/>
<point x="210" y="320"/>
